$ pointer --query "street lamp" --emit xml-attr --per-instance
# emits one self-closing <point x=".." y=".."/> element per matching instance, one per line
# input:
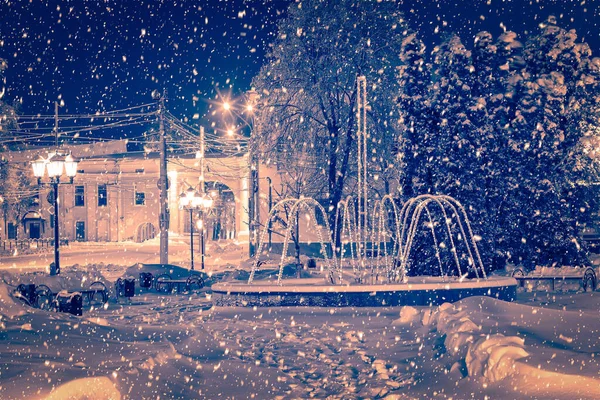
<point x="192" y="200"/>
<point x="247" y="114"/>
<point x="56" y="164"/>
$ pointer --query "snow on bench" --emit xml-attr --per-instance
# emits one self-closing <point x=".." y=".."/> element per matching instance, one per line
<point x="586" y="276"/>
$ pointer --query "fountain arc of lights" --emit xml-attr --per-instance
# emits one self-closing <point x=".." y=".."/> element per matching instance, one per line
<point x="412" y="230"/>
<point x="461" y="208"/>
<point x="277" y="208"/>
<point x="416" y="205"/>
<point x="297" y="205"/>
<point x="381" y="220"/>
<point x="349" y="221"/>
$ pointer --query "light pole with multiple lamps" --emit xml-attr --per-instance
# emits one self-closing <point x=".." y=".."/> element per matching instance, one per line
<point x="192" y="200"/>
<point x="56" y="163"/>
<point x="247" y="115"/>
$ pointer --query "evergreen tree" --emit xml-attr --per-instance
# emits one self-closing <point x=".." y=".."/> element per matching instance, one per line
<point x="511" y="133"/>
<point x="552" y="195"/>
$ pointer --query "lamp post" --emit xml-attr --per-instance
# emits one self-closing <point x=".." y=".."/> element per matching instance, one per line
<point x="56" y="163"/>
<point x="247" y="115"/>
<point x="192" y="200"/>
<point x="270" y="226"/>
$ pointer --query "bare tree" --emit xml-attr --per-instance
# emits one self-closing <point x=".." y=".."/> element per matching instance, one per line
<point x="308" y="88"/>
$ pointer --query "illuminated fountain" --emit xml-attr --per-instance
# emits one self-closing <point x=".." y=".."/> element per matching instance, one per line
<point x="351" y="275"/>
<point x="372" y="265"/>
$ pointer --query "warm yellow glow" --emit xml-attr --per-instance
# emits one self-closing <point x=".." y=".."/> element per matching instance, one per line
<point x="249" y="108"/>
<point x="230" y="132"/>
<point x="226" y="106"/>
<point x="207" y="202"/>
<point x="39" y="166"/>
<point x="70" y="166"/>
<point x="55" y="166"/>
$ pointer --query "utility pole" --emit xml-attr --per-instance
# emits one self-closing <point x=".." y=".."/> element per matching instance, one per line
<point x="253" y="190"/>
<point x="201" y="156"/>
<point x="163" y="184"/>
<point x="56" y="125"/>
<point x="55" y="270"/>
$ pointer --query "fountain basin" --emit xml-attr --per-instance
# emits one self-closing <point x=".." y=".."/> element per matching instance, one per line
<point x="418" y="291"/>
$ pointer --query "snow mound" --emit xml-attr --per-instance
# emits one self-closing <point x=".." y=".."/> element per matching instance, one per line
<point x="98" y="388"/>
<point x="408" y="316"/>
<point x="489" y="357"/>
<point x="9" y="307"/>
<point x="493" y="357"/>
<point x="70" y="278"/>
<point x="484" y="339"/>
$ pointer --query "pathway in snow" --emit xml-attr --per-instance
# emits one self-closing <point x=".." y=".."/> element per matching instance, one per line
<point x="340" y="353"/>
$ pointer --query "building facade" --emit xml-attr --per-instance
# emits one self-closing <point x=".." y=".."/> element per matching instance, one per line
<point x="115" y="197"/>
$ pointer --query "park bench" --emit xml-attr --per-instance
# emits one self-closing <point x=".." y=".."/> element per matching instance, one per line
<point x="587" y="280"/>
<point x="164" y="282"/>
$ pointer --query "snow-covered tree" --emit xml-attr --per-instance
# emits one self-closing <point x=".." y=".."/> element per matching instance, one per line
<point x="17" y="191"/>
<point x="510" y="132"/>
<point x="308" y="88"/>
<point x="552" y="193"/>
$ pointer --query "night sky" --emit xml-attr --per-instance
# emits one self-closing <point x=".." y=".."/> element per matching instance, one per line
<point x="110" y="54"/>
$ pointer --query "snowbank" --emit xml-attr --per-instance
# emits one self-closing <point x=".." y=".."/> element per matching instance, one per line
<point x="489" y="340"/>
<point x="100" y="388"/>
<point x="9" y="307"/>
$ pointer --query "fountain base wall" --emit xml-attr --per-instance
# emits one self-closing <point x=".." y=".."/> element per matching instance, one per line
<point x="427" y="293"/>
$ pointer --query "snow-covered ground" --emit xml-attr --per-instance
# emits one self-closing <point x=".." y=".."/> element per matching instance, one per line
<point x="180" y="346"/>
<point x="218" y="254"/>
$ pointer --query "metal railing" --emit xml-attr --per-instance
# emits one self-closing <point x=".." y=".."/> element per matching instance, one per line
<point x="26" y="244"/>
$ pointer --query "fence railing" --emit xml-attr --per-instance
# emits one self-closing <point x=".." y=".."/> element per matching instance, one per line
<point x="23" y="244"/>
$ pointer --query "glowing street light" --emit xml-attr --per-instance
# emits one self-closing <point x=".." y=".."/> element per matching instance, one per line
<point x="192" y="200"/>
<point x="56" y="164"/>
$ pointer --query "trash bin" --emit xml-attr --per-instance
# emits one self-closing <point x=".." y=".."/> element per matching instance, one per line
<point x="54" y="270"/>
<point x="129" y="287"/>
<point x="125" y="287"/>
<point x="69" y="302"/>
<point x="145" y="280"/>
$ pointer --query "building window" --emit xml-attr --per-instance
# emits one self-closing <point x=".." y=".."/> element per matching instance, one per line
<point x="102" y="196"/>
<point x="79" y="196"/>
<point x="12" y="230"/>
<point x="140" y="198"/>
